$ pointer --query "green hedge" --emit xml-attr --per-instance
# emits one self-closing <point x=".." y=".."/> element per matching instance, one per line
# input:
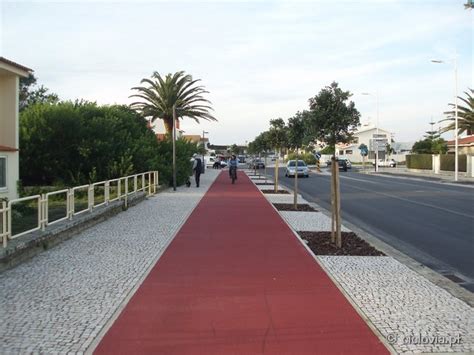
<point x="447" y="162"/>
<point x="308" y="158"/>
<point x="71" y="144"/>
<point x="420" y="161"/>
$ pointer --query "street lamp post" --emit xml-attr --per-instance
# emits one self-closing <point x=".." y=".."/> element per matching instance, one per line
<point x="377" y="128"/>
<point x="204" y="150"/>
<point x="174" y="148"/>
<point x="456" y="134"/>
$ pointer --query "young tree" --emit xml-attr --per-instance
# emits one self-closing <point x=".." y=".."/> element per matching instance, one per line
<point x="333" y="119"/>
<point x="278" y="138"/>
<point x="389" y="150"/>
<point x="297" y="137"/>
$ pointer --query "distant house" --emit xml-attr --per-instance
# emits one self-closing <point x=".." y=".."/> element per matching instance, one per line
<point x="465" y="145"/>
<point x="364" y="135"/>
<point x="10" y="74"/>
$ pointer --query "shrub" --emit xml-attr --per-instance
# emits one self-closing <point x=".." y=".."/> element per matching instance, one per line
<point x="308" y="158"/>
<point x="447" y="162"/>
<point x="420" y="161"/>
<point x="70" y="144"/>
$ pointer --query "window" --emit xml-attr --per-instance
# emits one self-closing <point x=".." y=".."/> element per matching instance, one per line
<point x="341" y="152"/>
<point x="3" y="172"/>
<point x="355" y="140"/>
<point x="348" y="152"/>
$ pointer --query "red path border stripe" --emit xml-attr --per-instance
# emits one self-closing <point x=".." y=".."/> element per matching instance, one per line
<point x="235" y="280"/>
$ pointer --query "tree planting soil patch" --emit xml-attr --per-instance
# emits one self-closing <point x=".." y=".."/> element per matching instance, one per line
<point x="320" y="243"/>
<point x="264" y="183"/>
<point x="290" y="207"/>
<point x="281" y="192"/>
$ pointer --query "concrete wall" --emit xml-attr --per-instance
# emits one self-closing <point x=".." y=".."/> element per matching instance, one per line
<point x="9" y="84"/>
<point x="9" y="110"/>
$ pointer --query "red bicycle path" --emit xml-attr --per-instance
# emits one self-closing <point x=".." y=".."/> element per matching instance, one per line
<point x="235" y="280"/>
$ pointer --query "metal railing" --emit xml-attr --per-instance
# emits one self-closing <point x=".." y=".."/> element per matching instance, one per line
<point x="96" y="195"/>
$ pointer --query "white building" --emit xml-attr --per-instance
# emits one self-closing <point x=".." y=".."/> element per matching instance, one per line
<point x="364" y="135"/>
<point x="10" y="74"/>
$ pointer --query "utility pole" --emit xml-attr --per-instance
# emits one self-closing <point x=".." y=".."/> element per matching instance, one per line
<point x="174" y="148"/>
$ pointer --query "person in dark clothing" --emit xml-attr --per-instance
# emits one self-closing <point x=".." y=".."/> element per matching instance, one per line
<point x="197" y="168"/>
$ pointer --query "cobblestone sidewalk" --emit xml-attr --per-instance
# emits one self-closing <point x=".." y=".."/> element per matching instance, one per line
<point x="60" y="300"/>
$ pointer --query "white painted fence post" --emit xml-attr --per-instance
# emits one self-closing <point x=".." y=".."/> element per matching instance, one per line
<point x="470" y="166"/>
<point x="71" y="206"/>
<point x="4" y="224"/>
<point x="107" y="192"/>
<point x="436" y="162"/>
<point x="126" y="192"/>
<point x="42" y="212"/>
<point x="90" y="197"/>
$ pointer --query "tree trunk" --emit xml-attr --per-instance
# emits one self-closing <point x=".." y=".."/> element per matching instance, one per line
<point x="295" y="197"/>
<point x="333" y="201"/>
<point x="276" y="173"/>
<point x="168" y="122"/>
<point x="338" y="209"/>
<point x="265" y="167"/>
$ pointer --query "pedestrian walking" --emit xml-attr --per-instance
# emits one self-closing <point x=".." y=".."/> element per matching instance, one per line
<point x="197" y="168"/>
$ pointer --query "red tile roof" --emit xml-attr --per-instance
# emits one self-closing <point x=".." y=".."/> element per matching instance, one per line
<point x="465" y="140"/>
<point x="16" y="65"/>
<point x="4" y="148"/>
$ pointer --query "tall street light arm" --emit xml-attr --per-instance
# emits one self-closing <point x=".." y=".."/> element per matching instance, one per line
<point x="456" y="134"/>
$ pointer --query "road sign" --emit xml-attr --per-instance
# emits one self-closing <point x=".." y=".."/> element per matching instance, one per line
<point x="364" y="151"/>
<point x="378" y="144"/>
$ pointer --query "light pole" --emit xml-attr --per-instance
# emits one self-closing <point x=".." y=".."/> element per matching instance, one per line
<point x="174" y="148"/>
<point x="377" y="128"/>
<point x="456" y="134"/>
<point x="204" y="151"/>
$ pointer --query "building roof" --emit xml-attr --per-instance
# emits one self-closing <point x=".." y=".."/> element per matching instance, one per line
<point x="367" y="128"/>
<point x="468" y="140"/>
<point x="4" y="148"/>
<point x="13" y="64"/>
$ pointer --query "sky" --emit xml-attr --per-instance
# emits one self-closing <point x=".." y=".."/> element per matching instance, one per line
<point x="258" y="59"/>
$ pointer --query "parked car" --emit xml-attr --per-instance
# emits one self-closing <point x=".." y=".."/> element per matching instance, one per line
<point x="303" y="169"/>
<point x="389" y="162"/>
<point x="257" y="164"/>
<point x="341" y="162"/>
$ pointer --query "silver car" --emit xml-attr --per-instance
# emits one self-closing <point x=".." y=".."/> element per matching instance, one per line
<point x="303" y="169"/>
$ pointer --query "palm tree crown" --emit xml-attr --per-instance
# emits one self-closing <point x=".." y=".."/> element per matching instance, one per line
<point x="465" y="115"/>
<point x="178" y="89"/>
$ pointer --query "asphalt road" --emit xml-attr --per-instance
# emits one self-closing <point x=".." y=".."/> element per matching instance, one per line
<point x="431" y="222"/>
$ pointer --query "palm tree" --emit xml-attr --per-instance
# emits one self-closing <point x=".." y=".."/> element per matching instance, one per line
<point x="465" y="115"/>
<point x="178" y="89"/>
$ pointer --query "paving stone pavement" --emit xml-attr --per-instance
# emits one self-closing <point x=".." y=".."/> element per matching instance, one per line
<point x="280" y="198"/>
<point x="60" y="300"/>
<point x="309" y="221"/>
<point x="408" y="310"/>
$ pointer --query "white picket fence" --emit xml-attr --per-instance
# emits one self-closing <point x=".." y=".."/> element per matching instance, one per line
<point x="124" y="187"/>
